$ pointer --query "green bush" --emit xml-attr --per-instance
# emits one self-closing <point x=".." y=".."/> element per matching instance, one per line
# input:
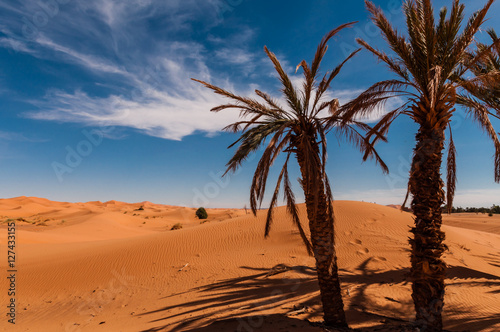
<point x="201" y="213"/>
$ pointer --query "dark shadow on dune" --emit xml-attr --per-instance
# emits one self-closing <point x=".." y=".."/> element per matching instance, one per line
<point x="272" y="322"/>
<point x="276" y="323"/>
<point x="239" y="300"/>
<point x="492" y="259"/>
<point x="471" y="324"/>
<point x="465" y="272"/>
<point x="259" y="289"/>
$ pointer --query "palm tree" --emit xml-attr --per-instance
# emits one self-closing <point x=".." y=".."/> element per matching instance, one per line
<point x="298" y="129"/>
<point x="433" y="66"/>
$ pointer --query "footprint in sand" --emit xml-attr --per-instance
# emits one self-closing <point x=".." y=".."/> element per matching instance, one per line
<point x="363" y="251"/>
<point x="356" y="241"/>
<point x="380" y="259"/>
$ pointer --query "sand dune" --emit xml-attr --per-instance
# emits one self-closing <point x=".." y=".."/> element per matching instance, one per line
<point x="116" y="267"/>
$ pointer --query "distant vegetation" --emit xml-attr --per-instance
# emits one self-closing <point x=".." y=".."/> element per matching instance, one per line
<point x="176" y="226"/>
<point x="201" y="213"/>
<point x="495" y="209"/>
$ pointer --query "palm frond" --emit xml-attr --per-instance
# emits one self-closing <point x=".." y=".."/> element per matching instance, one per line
<point x="362" y="142"/>
<point x="392" y="64"/>
<point x="258" y="187"/>
<point x="274" y="199"/>
<point x="451" y="173"/>
<point x="289" y="90"/>
<point x="397" y="43"/>
<point x="248" y="105"/>
<point x="292" y="209"/>
<point x="374" y="97"/>
<point x="470" y="30"/>
<point x="251" y="140"/>
<point x="480" y="113"/>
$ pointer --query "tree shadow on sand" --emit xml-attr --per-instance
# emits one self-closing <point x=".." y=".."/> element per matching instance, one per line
<point x="237" y="304"/>
<point x="492" y="259"/>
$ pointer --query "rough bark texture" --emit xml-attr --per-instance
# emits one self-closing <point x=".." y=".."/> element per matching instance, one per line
<point x="428" y="270"/>
<point x="323" y="244"/>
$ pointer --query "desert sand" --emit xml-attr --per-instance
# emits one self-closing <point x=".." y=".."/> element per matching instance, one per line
<point x="115" y="267"/>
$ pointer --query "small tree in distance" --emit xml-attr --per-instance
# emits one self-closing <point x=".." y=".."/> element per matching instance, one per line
<point x="201" y="213"/>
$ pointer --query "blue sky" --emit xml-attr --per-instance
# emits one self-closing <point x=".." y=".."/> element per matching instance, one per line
<point x="97" y="102"/>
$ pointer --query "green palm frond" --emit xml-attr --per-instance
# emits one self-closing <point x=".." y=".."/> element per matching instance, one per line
<point x="289" y="91"/>
<point x="296" y="127"/>
<point x="436" y="68"/>
<point x="451" y="173"/>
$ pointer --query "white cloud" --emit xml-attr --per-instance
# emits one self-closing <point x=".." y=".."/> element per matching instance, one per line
<point x="19" y="137"/>
<point x="16" y="45"/>
<point x="165" y="102"/>
<point x="88" y="61"/>
<point x="151" y="73"/>
<point x="234" y="56"/>
<point x="154" y="113"/>
<point x="151" y="69"/>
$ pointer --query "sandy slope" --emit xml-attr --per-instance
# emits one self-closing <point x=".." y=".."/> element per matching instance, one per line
<point x="111" y="267"/>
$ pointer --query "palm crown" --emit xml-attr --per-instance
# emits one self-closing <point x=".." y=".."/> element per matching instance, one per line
<point x="299" y="128"/>
<point x="432" y="65"/>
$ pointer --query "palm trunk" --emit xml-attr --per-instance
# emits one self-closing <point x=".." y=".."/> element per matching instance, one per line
<point x="428" y="270"/>
<point x="323" y="244"/>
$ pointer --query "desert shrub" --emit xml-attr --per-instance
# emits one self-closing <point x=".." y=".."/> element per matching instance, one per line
<point x="140" y="209"/>
<point x="490" y="214"/>
<point x="201" y="213"/>
<point x="176" y="226"/>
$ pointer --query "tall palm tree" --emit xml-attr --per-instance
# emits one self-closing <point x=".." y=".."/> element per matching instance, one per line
<point x="433" y="66"/>
<point x="298" y="129"/>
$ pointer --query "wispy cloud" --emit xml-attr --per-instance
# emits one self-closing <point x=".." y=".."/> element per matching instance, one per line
<point x="19" y="137"/>
<point x="88" y="61"/>
<point x="16" y="45"/>
<point x="148" y="70"/>
<point x="155" y="113"/>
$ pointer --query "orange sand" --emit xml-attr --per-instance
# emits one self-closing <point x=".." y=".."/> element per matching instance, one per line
<point x="109" y="267"/>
